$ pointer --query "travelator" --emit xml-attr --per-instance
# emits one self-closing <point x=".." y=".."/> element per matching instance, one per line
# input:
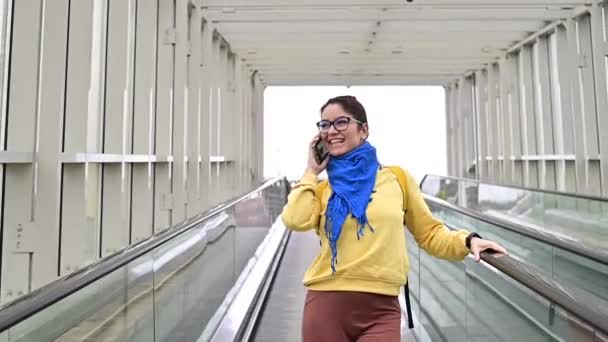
<point x="234" y="273"/>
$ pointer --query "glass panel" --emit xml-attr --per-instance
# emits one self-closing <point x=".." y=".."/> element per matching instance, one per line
<point x="569" y="327"/>
<point x="139" y="313"/>
<point x="195" y="272"/>
<point x="128" y="315"/>
<point x="441" y="295"/>
<point x="499" y="309"/>
<point x="580" y="220"/>
<point x="496" y="307"/>
<point x="253" y="217"/>
<point x="65" y="320"/>
<point x="186" y="293"/>
<point x="553" y="262"/>
<point x="576" y="271"/>
<point x="430" y="185"/>
<point x="169" y="294"/>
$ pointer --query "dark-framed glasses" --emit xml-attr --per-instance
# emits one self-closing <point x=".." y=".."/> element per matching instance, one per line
<point x="340" y="124"/>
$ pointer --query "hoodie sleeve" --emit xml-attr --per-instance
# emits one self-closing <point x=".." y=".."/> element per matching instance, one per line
<point x="429" y="232"/>
<point x="302" y="211"/>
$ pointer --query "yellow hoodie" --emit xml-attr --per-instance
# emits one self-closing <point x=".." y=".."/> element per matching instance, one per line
<point x="377" y="262"/>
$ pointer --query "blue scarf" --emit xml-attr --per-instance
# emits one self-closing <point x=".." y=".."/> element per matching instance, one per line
<point x="352" y="178"/>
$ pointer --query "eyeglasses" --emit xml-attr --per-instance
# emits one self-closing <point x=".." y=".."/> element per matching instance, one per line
<point x="340" y="124"/>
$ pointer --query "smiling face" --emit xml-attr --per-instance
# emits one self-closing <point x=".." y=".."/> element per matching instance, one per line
<point x="346" y="133"/>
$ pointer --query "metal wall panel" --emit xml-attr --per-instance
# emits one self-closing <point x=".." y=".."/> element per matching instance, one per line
<point x="163" y="199"/>
<point x="480" y="118"/>
<point x="19" y="231"/>
<point x="529" y="122"/>
<point x="180" y="110"/>
<point x="116" y="194"/>
<point x="84" y="108"/>
<point x="144" y="117"/>
<point x="541" y="126"/>
<point x="49" y="143"/>
<point x="599" y="37"/>
<point x="206" y="74"/>
<point x="194" y="128"/>
<point x="587" y="100"/>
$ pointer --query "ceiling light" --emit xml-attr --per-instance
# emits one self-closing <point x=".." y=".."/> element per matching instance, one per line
<point x="344" y="52"/>
<point x="396" y="52"/>
<point x="228" y="10"/>
<point x="251" y="52"/>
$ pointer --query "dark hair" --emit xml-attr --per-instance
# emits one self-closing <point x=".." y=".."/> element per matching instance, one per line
<point x="351" y="105"/>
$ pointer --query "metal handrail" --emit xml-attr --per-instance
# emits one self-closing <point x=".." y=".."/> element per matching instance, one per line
<point x="16" y="311"/>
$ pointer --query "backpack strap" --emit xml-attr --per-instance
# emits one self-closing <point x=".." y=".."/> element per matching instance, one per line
<point x="402" y="179"/>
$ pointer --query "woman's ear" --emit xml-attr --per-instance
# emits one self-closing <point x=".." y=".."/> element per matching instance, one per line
<point x="365" y="130"/>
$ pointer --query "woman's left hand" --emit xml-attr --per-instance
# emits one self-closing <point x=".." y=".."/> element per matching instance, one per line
<point x="479" y="245"/>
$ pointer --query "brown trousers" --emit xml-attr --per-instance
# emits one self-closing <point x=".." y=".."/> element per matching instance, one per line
<point x="351" y="317"/>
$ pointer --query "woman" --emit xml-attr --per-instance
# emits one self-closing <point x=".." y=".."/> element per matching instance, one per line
<point x="354" y="282"/>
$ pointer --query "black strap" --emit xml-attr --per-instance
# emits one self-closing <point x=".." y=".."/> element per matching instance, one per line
<point x="408" y="306"/>
<point x="470" y="237"/>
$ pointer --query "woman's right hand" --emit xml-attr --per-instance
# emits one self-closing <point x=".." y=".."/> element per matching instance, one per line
<point x="313" y="166"/>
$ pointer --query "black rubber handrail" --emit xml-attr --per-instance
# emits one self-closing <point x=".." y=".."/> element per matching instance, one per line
<point x="37" y="300"/>
<point x="597" y="255"/>
<point x="552" y="192"/>
<point x="568" y="298"/>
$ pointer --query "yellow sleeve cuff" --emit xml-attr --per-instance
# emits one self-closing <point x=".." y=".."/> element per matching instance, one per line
<point x="463" y="237"/>
<point x="309" y="177"/>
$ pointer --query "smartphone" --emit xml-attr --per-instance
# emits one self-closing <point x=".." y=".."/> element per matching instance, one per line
<point x="321" y="151"/>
